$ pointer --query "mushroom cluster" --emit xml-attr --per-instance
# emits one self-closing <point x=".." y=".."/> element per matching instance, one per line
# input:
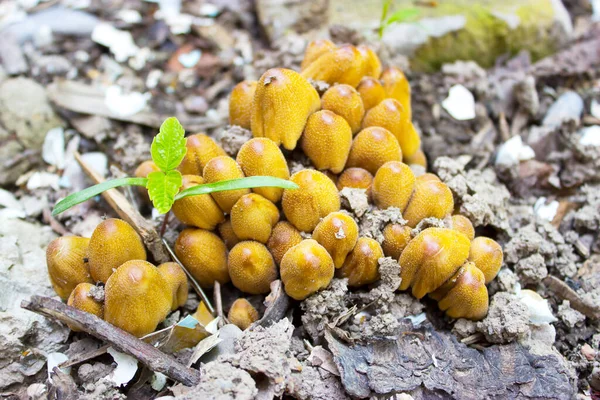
<point x="357" y="133"/>
<point x="137" y="295"/>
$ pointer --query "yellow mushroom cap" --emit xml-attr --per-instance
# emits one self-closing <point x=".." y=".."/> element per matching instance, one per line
<point x="224" y="168"/>
<point x="253" y="217"/>
<point x="305" y="269"/>
<point x="242" y="314"/>
<point x="467" y="296"/>
<point x="81" y="299"/>
<point x="200" y="211"/>
<point x="261" y="156"/>
<point x="397" y="87"/>
<point x="372" y="148"/>
<point x="283" y="237"/>
<point x="463" y="225"/>
<point x="314" y="50"/>
<point x="357" y="178"/>
<point x="326" y="141"/>
<point x="337" y="233"/>
<point x="316" y="197"/>
<point x="487" y="256"/>
<point x="371" y="92"/>
<point x="227" y="234"/>
<point x="393" y="185"/>
<point x="345" y="101"/>
<point x="251" y="267"/>
<point x="177" y="280"/>
<point x="282" y="103"/>
<point x="137" y="298"/>
<point x="431" y="198"/>
<point x="431" y="258"/>
<point x="67" y="267"/>
<point x="362" y="266"/>
<point x="390" y="114"/>
<point x="200" y="150"/>
<point x="346" y="64"/>
<point x="372" y="64"/>
<point x="204" y="255"/>
<point x="240" y="103"/>
<point x="113" y="242"/>
<point x="395" y="239"/>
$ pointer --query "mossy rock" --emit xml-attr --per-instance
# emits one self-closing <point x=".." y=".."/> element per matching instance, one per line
<point x="445" y="32"/>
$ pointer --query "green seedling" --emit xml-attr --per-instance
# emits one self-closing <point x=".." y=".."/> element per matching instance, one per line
<point x="168" y="150"/>
<point x="406" y="14"/>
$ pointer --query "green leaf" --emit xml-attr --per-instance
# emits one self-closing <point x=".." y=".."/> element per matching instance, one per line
<point x="233" y="184"/>
<point x="168" y="147"/>
<point x="92" y="191"/>
<point x="403" y="15"/>
<point x="162" y="188"/>
<point x="384" y="10"/>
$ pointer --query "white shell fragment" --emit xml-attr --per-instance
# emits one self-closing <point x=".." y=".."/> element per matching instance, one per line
<point x="125" y="104"/>
<point x="119" y="42"/>
<point x="590" y="136"/>
<point x="126" y="367"/>
<point x="513" y="151"/>
<point x="53" y="151"/>
<point x="539" y="309"/>
<point x="545" y="211"/>
<point x="460" y="103"/>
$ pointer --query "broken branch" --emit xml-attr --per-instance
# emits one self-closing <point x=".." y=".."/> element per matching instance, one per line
<point x="147" y="354"/>
<point x="563" y="291"/>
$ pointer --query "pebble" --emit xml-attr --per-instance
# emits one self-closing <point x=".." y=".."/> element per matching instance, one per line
<point x="460" y="103"/>
<point x="568" y="106"/>
<point x="195" y="104"/>
<point x="513" y="151"/>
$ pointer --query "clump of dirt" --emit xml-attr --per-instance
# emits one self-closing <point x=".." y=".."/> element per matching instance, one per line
<point x="223" y="380"/>
<point x="232" y="138"/>
<point x="372" y="223"/>
<point x="323" y="307"/>
<point x="478" y="194"/>
<point x="537" y="246"/>
<point x="355" y="201"/>
<point x="507" y="319"/>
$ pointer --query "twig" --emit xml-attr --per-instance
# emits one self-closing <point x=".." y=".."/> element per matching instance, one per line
<point x="83" y="357"/>
<point x="195" y="285"/>
<point x="54" y="224"/>
<point x="563" y="291"/>
<point x="153" y="358"/>
<point x="219" y="303"/>
<point x="119" y="203"/>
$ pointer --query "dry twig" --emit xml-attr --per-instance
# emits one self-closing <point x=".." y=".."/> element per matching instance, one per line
<point x="147" y="354"/>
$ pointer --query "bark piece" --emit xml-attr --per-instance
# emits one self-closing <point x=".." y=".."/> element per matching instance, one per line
<point x="430" y="363"/>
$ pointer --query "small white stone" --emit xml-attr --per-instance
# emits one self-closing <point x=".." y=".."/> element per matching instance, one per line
<point x="460" y="103"/>
<point x="129" y="16"/>
<point x="513" y="151"/>
<point x="590" y="136"/>
<point x="545" y="211"/>
<point x="125" y="104"/>
<point x="158" y="381"/>
<point x="119" y="42"/>
<point x="189" y="60"/>
<point x="53" y="150"/>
